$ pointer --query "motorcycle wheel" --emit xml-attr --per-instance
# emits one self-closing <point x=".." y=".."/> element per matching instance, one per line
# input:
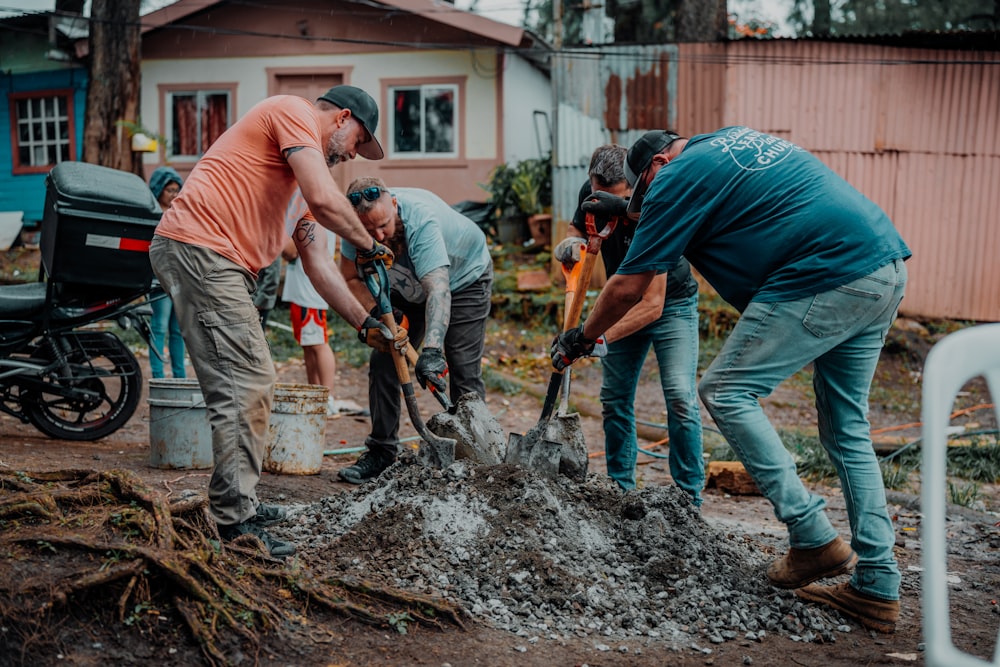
<point x="98" y="362"/>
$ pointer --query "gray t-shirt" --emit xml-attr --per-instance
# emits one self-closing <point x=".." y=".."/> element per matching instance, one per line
<point x="436" y="235"/>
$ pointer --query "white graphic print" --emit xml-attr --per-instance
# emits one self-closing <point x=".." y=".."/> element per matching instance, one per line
<point x="753" y="150"/>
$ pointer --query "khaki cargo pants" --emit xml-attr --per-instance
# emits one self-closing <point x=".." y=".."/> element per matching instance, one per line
<point x="221" y="327"/>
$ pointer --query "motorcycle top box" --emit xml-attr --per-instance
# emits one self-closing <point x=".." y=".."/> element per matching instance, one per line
<point x="97" y="226"/>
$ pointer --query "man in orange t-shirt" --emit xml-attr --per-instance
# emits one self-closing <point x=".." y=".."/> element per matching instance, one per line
<point x="229" y="223"/>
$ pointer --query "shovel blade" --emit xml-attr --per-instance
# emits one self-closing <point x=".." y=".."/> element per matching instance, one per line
<point x="436" y="452"/>
<point x="568" y="430"/>
<point x="534" y="452"/>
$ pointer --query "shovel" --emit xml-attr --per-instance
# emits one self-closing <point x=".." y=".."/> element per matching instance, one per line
<point x="436" y="452"/>
<point x="532" y="449"/>
<point x="442" y="398"/>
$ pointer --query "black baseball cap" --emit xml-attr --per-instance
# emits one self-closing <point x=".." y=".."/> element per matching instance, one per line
<point x="637" y="160"/>
<point x="364" y="109"/>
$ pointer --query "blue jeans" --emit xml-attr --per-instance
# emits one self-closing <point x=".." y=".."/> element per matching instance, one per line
<point x="674" y="339"/>
<point x="164" y="327"/>
<point x="841" y="332"/>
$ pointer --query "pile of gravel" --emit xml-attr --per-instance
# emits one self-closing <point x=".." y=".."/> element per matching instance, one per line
<point x="553" y="558"/>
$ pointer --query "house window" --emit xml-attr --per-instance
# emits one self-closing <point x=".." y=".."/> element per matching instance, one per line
<point x="424" y="121"/>
<point x="195" y="119"/>
<point x="43" y="130"/>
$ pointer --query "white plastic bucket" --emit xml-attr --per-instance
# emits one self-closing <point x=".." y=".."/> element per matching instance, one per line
<point x="297" y="434"/>
<point x="179" y="433"/>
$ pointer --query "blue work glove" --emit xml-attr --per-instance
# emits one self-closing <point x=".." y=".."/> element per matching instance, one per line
<point x="376" y="334"/>
<point x="569" y="346"/>
<point x="365" y="258"/>
<point x="568" y="251"/>
<point x="431" y="368"/>
<point x="604" y="206"/>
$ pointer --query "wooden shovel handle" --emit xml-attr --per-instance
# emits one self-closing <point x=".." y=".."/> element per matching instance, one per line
<point x="402" y="370"/>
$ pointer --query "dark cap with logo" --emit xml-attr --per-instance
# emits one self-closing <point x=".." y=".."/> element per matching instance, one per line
<point x="637" y="160"/>
<point x="364" y="109"/>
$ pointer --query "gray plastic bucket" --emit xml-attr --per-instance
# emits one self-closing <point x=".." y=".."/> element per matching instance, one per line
<point x="297" y="434"/>
<point x="179" y="433"/>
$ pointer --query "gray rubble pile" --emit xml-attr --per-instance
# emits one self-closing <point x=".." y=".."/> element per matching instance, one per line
<point x="552" y="558"/>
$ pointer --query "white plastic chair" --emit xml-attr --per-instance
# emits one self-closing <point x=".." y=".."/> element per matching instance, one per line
<point x="953" y="361"/>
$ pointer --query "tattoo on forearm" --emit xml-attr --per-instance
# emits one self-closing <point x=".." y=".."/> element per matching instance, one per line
<point x="438" y="308"/>
<point x="305" y="233"/>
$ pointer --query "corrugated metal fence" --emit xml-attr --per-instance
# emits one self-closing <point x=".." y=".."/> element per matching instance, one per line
<point x="916" y="130"/>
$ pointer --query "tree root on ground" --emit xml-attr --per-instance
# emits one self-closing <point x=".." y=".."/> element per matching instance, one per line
<point x="117" y="550"/>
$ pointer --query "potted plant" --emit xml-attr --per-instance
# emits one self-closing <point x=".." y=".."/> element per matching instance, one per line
<point x="520" y="195"/>
<point x="532" y="190"/>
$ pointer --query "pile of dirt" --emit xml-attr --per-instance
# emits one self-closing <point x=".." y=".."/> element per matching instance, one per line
<point x="553" y="559"/>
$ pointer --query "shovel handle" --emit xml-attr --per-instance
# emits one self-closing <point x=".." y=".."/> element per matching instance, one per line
<point x="576" y="307"/>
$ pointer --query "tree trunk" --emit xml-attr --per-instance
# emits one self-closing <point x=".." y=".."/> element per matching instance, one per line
<point x="700" y="20"/>
<point x="821" y="18"/>
<point x="113" y="94"/>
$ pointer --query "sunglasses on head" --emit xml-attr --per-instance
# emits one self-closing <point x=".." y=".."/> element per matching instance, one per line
<point x="370" y="194"/>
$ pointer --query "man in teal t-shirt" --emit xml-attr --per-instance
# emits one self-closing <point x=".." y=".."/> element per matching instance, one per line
<point x="816" y="271"/>
<point x="441" y="279"/>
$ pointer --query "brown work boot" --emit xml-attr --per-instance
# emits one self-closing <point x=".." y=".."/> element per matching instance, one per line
<point x="873" y="613"/>
<point x="803" y="566"/>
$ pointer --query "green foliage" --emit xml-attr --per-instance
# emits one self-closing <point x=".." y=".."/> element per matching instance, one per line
<point x="897" y="470"/>
<point x="523" y="188"/>
<point x="399" y="621"/>
<point x="980" y="463"/>
<point x="963" y="494"/>
<point x="858" y="17"/>
<point x="496" y="382"/>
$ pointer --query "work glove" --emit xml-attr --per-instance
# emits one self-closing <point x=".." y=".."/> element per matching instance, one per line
<point x="401" y="319"/>
<point x="569" y="346"/>
<point x="604" y="206"/>
<point x="431" y="368"/>
<point x="600" y="348"/>
<point x="568" y="251"/>
<point x="375" y="334"/>
<point x="366" y="258"/>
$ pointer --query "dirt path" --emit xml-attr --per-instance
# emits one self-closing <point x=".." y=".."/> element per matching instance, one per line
<point x="747" y="519"/>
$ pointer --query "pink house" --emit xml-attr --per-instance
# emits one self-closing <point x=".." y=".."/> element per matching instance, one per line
<point x="458" y="93"/>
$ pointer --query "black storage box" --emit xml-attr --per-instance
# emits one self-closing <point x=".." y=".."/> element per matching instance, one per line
<point x="97" y="226"/>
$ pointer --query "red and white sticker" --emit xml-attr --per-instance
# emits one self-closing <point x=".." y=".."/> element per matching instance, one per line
<point x="116" y="243"/>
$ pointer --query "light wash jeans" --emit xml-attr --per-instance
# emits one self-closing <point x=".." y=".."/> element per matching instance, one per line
<point x="674" y="339"/>
<point x="841" y="332"/>
<point x="166" y="331"/>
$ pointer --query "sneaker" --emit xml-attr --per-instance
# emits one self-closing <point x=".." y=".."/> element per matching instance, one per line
<point x="269" y="514"/>
<point x="275" y="547"/>
<point x="368" y="466"/>
<point x="872" y="613"/>
<point x="803" y="566"/>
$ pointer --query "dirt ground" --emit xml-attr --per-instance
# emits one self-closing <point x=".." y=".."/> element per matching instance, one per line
<point x="76" y="637"/>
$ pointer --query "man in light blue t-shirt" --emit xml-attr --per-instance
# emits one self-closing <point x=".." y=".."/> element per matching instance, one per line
<point x="441" y="280"/>
<point x="816" y="271"/>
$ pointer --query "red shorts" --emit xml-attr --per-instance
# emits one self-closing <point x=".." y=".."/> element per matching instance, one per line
<point x="309" y="325"/>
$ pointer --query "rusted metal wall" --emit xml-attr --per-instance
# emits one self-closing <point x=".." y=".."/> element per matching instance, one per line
<point x="915" y="130"/>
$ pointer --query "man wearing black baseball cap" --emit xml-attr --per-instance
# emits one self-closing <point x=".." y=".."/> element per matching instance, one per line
<point x="816" y="271"/>
<point x="211" y="245"/>
<point x="364" y="110"/>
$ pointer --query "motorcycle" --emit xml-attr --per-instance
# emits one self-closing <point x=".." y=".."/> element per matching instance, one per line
<point x="57" y="373"/>
<point x="58" y="370"/>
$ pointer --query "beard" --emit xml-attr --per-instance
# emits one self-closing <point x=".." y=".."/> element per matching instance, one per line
<point x="397" y="242"/>
<point x="336" y="149"/>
